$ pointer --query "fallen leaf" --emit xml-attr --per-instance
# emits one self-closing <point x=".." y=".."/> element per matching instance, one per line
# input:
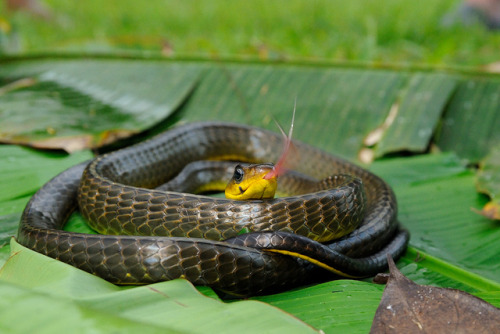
<point x="407" y="307"/>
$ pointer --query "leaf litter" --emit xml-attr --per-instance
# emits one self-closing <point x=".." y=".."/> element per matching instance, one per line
<point x="407" y="307"/>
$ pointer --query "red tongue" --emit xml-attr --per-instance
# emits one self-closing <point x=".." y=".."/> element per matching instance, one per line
<point x="280" y="166"/>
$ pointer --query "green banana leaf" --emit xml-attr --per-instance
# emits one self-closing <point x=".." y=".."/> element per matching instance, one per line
<point x="81" y="105"/>
<point x="345" y="111"/>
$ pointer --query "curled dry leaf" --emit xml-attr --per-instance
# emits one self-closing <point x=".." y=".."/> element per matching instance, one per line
<point x="407" y="307"/>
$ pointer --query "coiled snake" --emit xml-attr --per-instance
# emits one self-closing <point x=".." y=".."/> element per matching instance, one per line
<point x="116" y="194"/>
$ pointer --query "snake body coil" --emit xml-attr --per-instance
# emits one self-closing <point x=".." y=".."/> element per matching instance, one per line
<point x="115" y="194"/>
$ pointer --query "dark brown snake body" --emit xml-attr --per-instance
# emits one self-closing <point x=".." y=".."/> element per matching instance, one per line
<point x="115" y="194"/>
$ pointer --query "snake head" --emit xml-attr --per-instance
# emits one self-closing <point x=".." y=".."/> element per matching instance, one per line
<point x="249" y="182"/>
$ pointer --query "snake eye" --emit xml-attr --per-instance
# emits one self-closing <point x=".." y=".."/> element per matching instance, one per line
<point x="238" y="174"/>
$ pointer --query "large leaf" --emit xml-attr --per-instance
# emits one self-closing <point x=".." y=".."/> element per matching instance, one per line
<point x="337" y="108"/>
<point x="75" y="296"/>
<point x="254" y="94"/>
<point x="418" y="113"/>
<point x="323" y="306"/>
<point x="24" y="170"/>
<point x="470" y="125"/>
<point x="436" y="203"/>
<point x="85" y="104"/>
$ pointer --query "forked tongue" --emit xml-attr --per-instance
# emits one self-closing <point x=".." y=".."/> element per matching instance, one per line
<point x="284" y="161"/>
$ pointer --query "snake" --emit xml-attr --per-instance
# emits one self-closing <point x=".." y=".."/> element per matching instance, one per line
<point x="345" y="222"/>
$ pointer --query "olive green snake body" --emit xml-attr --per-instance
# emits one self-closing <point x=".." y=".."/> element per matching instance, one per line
<point x="355" y="217"/>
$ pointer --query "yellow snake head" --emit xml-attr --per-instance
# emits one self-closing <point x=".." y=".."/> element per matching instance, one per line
<point x="248" y="183"/>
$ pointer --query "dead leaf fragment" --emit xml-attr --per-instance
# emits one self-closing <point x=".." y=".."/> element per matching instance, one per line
<point x="407" y="307"/>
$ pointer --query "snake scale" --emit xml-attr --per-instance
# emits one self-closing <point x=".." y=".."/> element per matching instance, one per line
<point x="150" y="235"/>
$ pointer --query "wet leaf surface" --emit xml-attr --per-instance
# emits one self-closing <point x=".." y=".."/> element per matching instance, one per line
<point x="407" y="307"/>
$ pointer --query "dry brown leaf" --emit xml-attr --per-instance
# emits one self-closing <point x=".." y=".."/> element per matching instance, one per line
<point x="407" y="307"/>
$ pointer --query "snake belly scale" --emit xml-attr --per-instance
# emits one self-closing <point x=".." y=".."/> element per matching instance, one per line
<point x="153" y="235"/>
